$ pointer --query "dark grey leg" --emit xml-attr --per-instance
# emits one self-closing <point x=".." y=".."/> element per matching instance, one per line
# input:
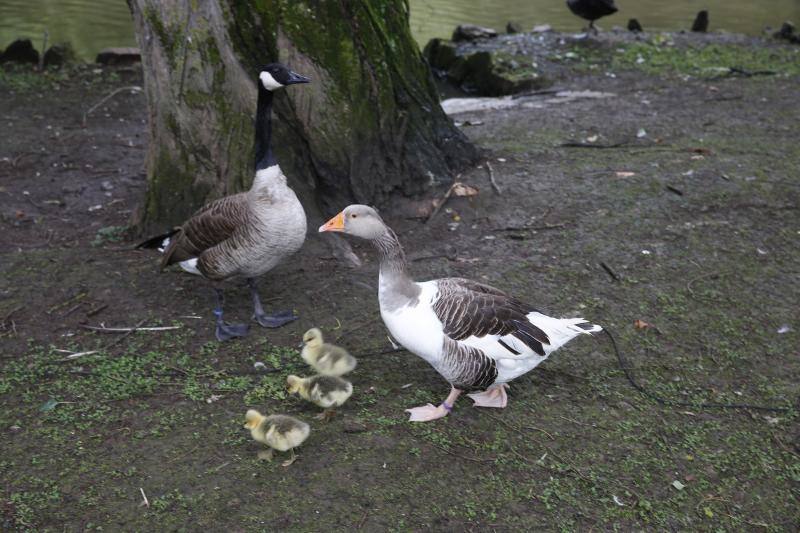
<point x="275" y="320"/>
<point x="226" y="331"/>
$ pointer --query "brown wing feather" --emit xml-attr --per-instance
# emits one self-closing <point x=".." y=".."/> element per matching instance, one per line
<point x="212" y="224"/>
<point x="468" y="308"/>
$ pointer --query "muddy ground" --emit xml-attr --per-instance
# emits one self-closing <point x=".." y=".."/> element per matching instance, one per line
<point x="692" y="206"/>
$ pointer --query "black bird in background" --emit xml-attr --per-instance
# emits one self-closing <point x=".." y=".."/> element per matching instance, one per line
<point x="701" y="22"/>
<point x="592" y="10"/>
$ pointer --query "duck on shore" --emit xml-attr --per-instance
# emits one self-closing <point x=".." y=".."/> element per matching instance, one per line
<point x="592" y="10"/>
<point x="477" y="337"/>
<point x="246" y="234"/>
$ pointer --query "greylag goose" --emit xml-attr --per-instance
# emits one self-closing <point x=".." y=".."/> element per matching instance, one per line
<point x="279" y="432"/>
<point x="592" y="10"/>
<point x="246" y="234"/>
<point x="477" y="337"/>
<point x="324" y="357"/>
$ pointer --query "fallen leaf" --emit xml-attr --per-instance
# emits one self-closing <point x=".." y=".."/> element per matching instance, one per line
<point x="678" y="485"/>
<point x="640" y="324"/>
<point x="591" y="139"/>
<point x="700" y="150"/>
<point x="49" y="405"/>
<point x="19" y="214"/>
<point x="689" y="477"/>
<point x="784" y="329"/>
<point x="772" y="420"/>
<point x="708" y="512"/>
<point x="460" y="189"/>
<point x="624" y="174"/>
<point x="618" y="501"/>
<point x="641" y="133"/>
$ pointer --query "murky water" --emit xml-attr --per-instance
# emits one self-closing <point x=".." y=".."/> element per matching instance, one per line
<point x="91" y="25"/>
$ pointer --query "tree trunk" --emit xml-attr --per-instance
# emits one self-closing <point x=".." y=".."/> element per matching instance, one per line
<point x="368" y="125"/>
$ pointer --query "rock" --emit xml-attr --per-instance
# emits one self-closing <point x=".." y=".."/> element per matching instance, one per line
<point x="440" y="53"/>
<point x="542" y="28"/>
<point x="488" y="74"/>
<point x="119" y="56"/>
<point x="471" y="32"/>
<point x="700" y="23"/>
<point x="787" y="33"/>
<point x="634" y="26"/>
<point x="20" y="51"/>
<point x="58" y="54"/>
<point x="513" y="27"/>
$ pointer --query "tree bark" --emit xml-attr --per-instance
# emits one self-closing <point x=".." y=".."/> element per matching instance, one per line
<point x="368" y="125"/>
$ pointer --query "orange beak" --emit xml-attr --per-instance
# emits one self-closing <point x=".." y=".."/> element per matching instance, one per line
<point x="334" y="224"/>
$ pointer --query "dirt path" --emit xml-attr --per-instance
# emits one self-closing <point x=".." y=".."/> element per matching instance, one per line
<point x="697" y="217"/>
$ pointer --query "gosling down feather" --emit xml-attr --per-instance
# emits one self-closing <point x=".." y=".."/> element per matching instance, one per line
<point x="477" y="337"/>
<point x="327" y="392"/>
<point x="327" y="359"/>
<point x="279" y="432"/>
<point x="244" y="235"/>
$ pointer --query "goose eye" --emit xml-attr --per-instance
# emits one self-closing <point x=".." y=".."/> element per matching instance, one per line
<point x="353" y="215"/>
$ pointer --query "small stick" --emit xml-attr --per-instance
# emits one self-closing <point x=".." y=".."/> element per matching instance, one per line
<point x="66" y="302"/>
<point x="573" y="144"/>
<point x="8" y="315"/>
<point x="443" y="200"/>
<point x="128" y="330"/>
<point x="92" y="312"/>
<point x="44" y="47"/>
<point x="75" y="355"/>
<point x="491" y="178"/>
<point x="144" y="497"/>
<point x="105" y="98"/>
<point x="676" y="190"/>
<point x="610" y="271"/>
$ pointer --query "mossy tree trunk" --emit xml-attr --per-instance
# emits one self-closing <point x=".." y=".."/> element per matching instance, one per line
<point x="368" y="125"/>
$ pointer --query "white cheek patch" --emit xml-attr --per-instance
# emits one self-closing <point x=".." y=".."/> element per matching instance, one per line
<point x="268" y="81"/>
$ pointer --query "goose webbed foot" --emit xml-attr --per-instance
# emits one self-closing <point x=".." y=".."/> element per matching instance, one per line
<point x="275" y="320"/>
<point x="492" y="397"/>
<point x="429" y="412"/>
<point x="265" y="455"/>
<point x="326" y="415"/>
<point x="291" y="459"/>
<point x="225" y="331"/>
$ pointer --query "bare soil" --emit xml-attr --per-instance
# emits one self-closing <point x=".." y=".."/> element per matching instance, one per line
<point x="697" y="218"/>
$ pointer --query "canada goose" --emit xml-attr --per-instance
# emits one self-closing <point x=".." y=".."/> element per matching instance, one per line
<point x="279" y="432"/>
<point x="246" y="234"/>
<point x="327" y="359"/>
<point x="477" y="337"/>
<point x="592" y="10"/>
<point x="327" y="392"/>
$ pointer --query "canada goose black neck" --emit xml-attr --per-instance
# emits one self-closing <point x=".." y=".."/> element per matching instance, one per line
<point x="264" y="156"/>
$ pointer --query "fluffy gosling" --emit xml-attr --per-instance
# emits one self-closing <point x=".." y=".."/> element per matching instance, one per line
<point x="279" y="432"/>
<point x="327" y="392"/>
<point x="327" y="359"/>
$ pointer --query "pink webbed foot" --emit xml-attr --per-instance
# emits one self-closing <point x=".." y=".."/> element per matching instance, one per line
<point x="426" y="413"/>
<point x="492" y="397"/>
<point x="429" y="412"/>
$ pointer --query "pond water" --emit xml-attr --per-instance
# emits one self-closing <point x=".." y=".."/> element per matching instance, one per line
<point x="91" y="25"/>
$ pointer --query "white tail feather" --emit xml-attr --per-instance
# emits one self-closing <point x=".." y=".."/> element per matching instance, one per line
<point x="561" y="330"/>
